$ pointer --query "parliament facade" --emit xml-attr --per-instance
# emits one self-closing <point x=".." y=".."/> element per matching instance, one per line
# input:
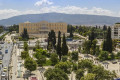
<point x="41" y="29"/>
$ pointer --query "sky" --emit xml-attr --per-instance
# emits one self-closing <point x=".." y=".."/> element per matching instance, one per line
<point x="10" y="8"/>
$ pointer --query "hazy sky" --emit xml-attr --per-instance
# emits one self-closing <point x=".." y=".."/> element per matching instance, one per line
<point x="9" y="8"/>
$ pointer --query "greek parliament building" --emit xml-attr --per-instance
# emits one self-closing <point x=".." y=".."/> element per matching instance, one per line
<point x="41" y="29"/>
<point x="115" y="32"/>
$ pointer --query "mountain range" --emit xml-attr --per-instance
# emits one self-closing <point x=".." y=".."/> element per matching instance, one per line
<point x="74" y="19"/>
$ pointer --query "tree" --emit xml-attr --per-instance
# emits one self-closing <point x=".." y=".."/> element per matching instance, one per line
<point x="25" y="46"/>
<point x="79" y="74"/>
<point x="71" y="32"/>
<point x="103" y="55"/>
<point x="93" y="47"/>
<point x="109" y="41"/>
<point x="107" y="45"/>
<point x="59" y="45"/>
<point x="37" y="45"/>
<point x="41" y="60"/>
<point x="25" y="35"/>
<point x="114" y="44"/>
<point x="24" y="54"/>
<point x="63" y="66"/>
<point x="74" y="56"/>
<point x="49" y="47"/>
<point x="92" y="36"/>
<point x="55" y="74"/>
<point x="83" y="64"/>
<point x="64" y="46"/>
<point x="30" y="64"/>
<point x="89" y="76"/>
<point x="104" y="46"/>
<point x="54" y="58"/>
<point x="102" y="74"/>
<point x="87" y="46"/>
<point x="104" y="27"/>
<point x="64" y="58"/>
<point x="53" y="38"/>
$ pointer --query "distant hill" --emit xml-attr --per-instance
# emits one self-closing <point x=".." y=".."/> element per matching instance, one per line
<point x="76" y="19"/>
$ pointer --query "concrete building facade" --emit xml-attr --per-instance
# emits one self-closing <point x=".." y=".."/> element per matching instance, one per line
<point x="115" y="31"/>
<point x="41" y="29"/>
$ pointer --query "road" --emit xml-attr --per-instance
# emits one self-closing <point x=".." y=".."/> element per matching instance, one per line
<point x="2" y="33"/>
<point x="6" y="56"/>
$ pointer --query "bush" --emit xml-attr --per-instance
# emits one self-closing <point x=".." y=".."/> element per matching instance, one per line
<point x="64" y="58"/>
<point x="74" y="56"/>
<point x="54" y="58"/>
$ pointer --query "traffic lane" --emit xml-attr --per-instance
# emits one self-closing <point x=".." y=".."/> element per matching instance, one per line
<point x="6" y="57"/>
<point x="2" y="33"/>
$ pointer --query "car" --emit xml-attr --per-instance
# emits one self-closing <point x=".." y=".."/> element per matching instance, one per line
<point x="0" y="53"/>
<point x="114" y="62"/>
<point x="0" y="61"/>
<point x="33" y="78"/>
<point x="6" y="51"/>
<point x="3" y="74"/>
<point x="5" y="69"/>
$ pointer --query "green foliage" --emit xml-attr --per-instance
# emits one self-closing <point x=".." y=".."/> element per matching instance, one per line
<point x="48" y="63"/>
<point x="59" y="45"/>
<point x="25" y="46"/>
<point x="107" y="45"/>
<point x="1" y="37"/>
<point x="117" y="55"/>
<point x="102" y="74"/>
<point x="86" y="46"/>
<point x="51" y="40"/>
<point x="79" y="74"/>
<point x="30" y="64"/>
<point x="71" y="33"/>
<point x="94" y="72"/>
<point x="54" y="58"/>
<point x="74" y="56"/>
<point x="14" y="28"/>
<point x="55" y="74"/>
<point x="41" y="60"/>
<point x="64" y="58"/>
<point x="25" y="35"/>
<point x="89" y="76"/>
<point x="103" y="55"/>
<point x="24" y="54"/>
<point x="64" y="46"/>
<point x="93" y="47"/>
<point x="75" y="67"/>
<point x="37" y="46"/>
<point x="1" y="29"/>
<point x="85" y="64"/>
<point x="63" y="66"/>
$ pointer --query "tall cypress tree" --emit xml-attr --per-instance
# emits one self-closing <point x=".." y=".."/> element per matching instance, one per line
<point x="64" y="46"/>
<point x="25" y="35"/>
<point x="71" y="32"/>
<point x="53" y="38"/>
<point x="107" y="45"/>
<point x="49" y="47"/>
<point x="59" y="45"/>
<point x="109" y="41"/>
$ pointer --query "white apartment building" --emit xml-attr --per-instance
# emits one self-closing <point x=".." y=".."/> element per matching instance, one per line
<point x="115" y="31"/>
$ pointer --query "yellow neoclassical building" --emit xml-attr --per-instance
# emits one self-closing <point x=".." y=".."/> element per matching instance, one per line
<point x="41" y="29"/>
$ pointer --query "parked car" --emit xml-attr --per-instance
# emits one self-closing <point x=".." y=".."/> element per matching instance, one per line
<point x="114" y="62"/>
<point x="6" y="51"/>
<point x="5" y="69"/>
<point x="3" y="74"/>
<point x="0" y="53"/>
<point x="0" y="61"/>
<point x="33" y="78"/>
